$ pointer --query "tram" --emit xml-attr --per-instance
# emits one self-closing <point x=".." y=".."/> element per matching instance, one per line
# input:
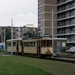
<point x="16" y="48"/>
<point x="35" y="47"/>
<point x="42" y="46"/>
<point x="38" y="47"/>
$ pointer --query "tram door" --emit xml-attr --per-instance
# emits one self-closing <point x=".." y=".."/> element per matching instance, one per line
<point x="38" y="47"/>
<point x="17" y="47"/>
<point x="22" y="47"/>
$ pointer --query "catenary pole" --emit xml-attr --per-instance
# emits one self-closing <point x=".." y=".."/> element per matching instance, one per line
<point x="53" y="31"/>
<point x="11" y="36"/>
<point x="4" y="38"/>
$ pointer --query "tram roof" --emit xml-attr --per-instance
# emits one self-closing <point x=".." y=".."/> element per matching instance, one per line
<point x="45" y="38"/>
<point x="15" y="39"/>
<point x="56" y="38"/>
<point x="60" y="38"/>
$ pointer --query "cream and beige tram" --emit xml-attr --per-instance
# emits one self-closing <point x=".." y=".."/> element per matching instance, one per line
<point x="16" y="48"/>
<point x="38" y="47"/>
<point x="41" y="46"/>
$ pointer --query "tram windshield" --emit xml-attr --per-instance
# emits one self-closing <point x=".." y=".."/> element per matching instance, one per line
<point x="46" y="43"/>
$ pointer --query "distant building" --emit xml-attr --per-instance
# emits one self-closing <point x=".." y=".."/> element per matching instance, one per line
<point x="18" y="32"/>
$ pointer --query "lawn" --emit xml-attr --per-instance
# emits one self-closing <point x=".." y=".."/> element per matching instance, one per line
<point x="14" y="65"/>
<point x="19" y="65"/>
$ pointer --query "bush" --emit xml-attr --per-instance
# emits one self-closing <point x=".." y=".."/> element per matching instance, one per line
<point x="1" y="50"/>
<point x="65" y="48"/>
<point x="58" y="54"/>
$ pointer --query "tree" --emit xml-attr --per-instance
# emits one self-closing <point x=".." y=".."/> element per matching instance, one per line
<point x="29" y="34"/>
<point x="65" y="48"/>
<point x="0" y="38"/>
<point x="7" y="33"/>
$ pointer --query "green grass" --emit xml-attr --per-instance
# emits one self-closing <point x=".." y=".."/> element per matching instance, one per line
<point x="15" y="66"/>
<point x="18" y="65"/>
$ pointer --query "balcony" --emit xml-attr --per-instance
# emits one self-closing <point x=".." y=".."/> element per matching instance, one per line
<point x="65" y="18"/>
<point x="63" y="2"/>
<point x="72" y="31"/>
<point x="70" y="41"/>
<point x="65" y="26"/>
<point x="67" y="33"/>
<point x="64" y="10"/>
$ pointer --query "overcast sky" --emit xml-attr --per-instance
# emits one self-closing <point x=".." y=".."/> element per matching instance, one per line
<point x="22" y="11"/>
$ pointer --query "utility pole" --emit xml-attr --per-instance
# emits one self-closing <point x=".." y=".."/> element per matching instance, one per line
<point x="4" y="38"/>
<point x="52" y="31"/>
<point x="11" y="36"/>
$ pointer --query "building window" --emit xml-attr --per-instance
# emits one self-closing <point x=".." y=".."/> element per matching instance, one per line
<point x="60" y="1"/>
<point x="67" y="22"/>
<point x="60" y="23"/>
<point x="73" y="28"/>
<point x="68" y="30"/>
<point x="72" y="12"/>
<point x="60" y="16"/>
<point x="73" y="4"/>
<point x="67" y="6"/>
<point x="73" y="21"/>
<point x="73" y="38"/>
<point x="60" y="8"/>
<point x="67" y="14"/>
<point x="68" y="38"/>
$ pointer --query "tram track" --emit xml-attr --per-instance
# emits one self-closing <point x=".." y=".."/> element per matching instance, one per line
<point x="68" y="60"/>
<point x="61" y="59"/>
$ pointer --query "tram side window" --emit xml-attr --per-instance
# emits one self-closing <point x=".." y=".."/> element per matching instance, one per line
<point x="9" y="43"/>
<point x="25" y="44"/>
<point x="33" y="44"/>
<point x="20" y="43"/>
<point x="50" y="43"/>
<point x="43" y="43"/>
<point x="14" y="43"/>
<point x="29" y="44"/>
<point x="46" y="43"/>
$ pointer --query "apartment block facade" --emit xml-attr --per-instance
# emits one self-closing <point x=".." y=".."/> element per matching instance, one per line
<point x="64" y="18"/>
<point x="45" y="8"/>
